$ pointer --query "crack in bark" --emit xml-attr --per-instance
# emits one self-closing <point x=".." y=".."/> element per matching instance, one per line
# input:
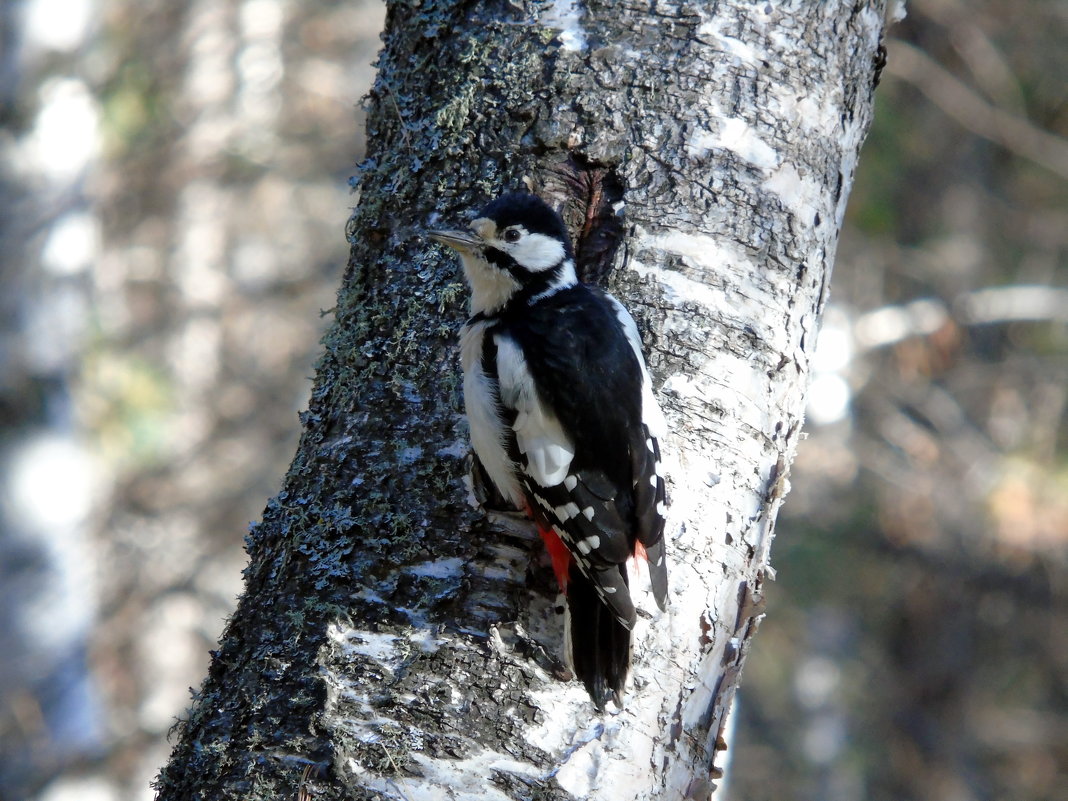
<point x="590" y="197"/>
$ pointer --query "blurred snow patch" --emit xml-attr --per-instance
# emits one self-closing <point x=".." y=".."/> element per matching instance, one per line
<point x="57" y="24"/>
<point x="92" y="788"/>
<point x="65" y="136"/>
<point x="72" y="244"/>
<point x="50" y="482"/>
<point x="829" y="394"/>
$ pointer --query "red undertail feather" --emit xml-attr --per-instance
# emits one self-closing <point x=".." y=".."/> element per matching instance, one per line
<point x="560" y="555"/>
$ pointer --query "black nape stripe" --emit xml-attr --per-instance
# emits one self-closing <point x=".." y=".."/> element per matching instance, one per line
<point x="533" y="283"/>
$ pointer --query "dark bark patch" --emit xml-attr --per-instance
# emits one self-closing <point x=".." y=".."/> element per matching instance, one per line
<point x="592" y="198"/>
<point x="878" y="64"/>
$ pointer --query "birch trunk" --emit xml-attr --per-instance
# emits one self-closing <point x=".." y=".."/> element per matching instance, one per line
<point x="393" y="640"/>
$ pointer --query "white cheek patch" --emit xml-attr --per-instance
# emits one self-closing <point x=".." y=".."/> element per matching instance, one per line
<point x="537" y="252"/>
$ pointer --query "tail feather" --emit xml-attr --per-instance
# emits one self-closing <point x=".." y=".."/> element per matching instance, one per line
<point x="598" y="645"/>
<point x="658" y="573"/>
<point x="650" y="496"/>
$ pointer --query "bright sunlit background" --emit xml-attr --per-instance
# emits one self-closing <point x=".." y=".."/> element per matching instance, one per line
<point x="173" y="194"/>
<point x="174" y="184"/>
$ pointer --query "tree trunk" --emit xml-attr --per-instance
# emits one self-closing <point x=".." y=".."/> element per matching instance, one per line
<point x="394" y="641"/>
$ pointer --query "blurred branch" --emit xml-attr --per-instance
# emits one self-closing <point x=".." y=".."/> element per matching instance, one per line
<point x="987" y="64"/>
<point x="889" y="325"/>
<point x="959" y="101"/>
<point x="1011" y="304"/>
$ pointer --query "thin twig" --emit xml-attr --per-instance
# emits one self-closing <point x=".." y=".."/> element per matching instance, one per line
<point x="303" y="793"/>
<point x="396" y="769"/>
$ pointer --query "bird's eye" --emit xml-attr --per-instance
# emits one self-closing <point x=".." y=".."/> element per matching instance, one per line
<point x="511" y="235"/>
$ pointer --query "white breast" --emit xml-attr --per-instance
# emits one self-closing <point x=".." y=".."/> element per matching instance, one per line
<point x="483" y="416"/>
<point x="538" y="432"/>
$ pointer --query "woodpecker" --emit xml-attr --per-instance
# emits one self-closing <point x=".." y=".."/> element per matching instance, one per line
<point x="563" y="420"/>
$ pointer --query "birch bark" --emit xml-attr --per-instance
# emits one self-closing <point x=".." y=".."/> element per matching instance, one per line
<point x="393" y="640"/>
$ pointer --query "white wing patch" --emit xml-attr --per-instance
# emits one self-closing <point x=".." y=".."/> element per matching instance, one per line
<point x="538" y="432"/>
<point x="567" y="511"/>
<point x="652" y="417"/>
<point x="591" y="543"/>
<point x="483" y="418"/>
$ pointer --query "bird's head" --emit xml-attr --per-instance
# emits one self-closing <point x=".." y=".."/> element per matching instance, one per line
<point x="517" y="246"/>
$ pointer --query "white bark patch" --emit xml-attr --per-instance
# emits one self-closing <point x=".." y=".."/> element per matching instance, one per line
<point x="566" y="16"/>
<point x="710" y="252"/>
<point x="810" y="113"/>
<point x="464" y="778"/>
<point x="586" y="747"/>
<point x="895" y="11"/>
<point x="736" y="136"/>
<point x="800" y="193"/>
<point x="388" y="650"/>
<point x="742" y="294"/>
<point x="467" y="777"/>
<point x="677" y="287"/>
<point x="380" y="647"/>
<point x="456" y="449"/>
<point x="441" y="568"/>
<point x="562" y="705"/>
<point x="346" y="688"/>
<point x="713" y="29"/>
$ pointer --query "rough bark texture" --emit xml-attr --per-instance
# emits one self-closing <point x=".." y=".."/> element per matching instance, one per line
<point x="393" y="640"/>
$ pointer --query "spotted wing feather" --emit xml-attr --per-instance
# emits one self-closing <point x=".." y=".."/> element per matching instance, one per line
<point x="592" y="528"/>
<point x="650" y="495"/>
<point x="649" y="501"/>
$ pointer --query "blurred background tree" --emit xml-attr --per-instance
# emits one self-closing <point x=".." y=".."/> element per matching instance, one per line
<point x="174" y="192"/>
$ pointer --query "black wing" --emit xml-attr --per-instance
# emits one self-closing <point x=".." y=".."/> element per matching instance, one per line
<point x="590" y="459"/>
